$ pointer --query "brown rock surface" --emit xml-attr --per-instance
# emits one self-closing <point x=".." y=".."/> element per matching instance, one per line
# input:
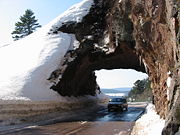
<point x="155" y="30"/>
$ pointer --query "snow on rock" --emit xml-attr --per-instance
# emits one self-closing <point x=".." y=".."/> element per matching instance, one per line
<point x="73" y="14"/>
<point x="168" y="82"/>
<point x="149" y="124"/>
<point x="26" y="64"/>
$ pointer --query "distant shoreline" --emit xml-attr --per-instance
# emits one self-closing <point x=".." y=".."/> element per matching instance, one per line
<point x="116" y="91"/>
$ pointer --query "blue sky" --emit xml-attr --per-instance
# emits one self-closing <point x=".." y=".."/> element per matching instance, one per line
<point x="45" y="11"/>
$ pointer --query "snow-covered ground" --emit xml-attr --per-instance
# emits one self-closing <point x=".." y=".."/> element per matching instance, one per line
<point x="27" y="64"/>
<point x="149" y="124"/>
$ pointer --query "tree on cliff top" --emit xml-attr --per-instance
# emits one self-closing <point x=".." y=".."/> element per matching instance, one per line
<point x="26" y="25"/>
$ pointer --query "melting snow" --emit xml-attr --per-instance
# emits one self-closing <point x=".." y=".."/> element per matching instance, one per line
<point x="149" y="124"/>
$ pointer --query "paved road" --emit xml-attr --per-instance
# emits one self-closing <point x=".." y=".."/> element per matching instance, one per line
<point x="98" y="122"/>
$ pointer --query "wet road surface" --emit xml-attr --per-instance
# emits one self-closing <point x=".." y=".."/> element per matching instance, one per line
<point x="98" y="122"/>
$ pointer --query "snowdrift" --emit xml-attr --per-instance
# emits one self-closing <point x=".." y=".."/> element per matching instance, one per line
<point x="149" y="124"/>
<point x="26" y="64"/>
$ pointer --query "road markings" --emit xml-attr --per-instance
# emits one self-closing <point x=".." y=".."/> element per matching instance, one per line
<point x="31" y="127"/>
<point x="122" y="133"/>
<point x="74" y="131"/>
<point x="83" y="122"/>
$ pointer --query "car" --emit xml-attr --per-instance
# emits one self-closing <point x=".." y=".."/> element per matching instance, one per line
<point x="118" y="104"/>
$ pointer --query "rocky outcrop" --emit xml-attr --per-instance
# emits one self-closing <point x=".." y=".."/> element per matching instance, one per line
<point x="102" y="46"/>
<point x="123" y="34"/>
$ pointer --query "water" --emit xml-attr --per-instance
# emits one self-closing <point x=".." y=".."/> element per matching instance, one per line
<point x="116" y="92"/>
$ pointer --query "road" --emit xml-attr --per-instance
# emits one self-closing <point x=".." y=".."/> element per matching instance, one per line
<point x="98" y="122"/>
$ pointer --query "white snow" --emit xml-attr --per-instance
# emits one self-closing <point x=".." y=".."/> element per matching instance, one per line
<point x="168" y="82"/>
<point x="169" y="79"/>
<point x="149" y="124"/>
<point x="75" y="13"/>
<point x="120" y="1"/>
<point x="27" y="64"/>
<point x="106" y="39"/>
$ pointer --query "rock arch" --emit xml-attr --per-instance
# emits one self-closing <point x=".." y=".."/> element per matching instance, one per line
<point x="124" y="34"/>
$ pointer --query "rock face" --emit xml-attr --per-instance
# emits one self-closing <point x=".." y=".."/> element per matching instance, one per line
<point x="155" y="31"/>
<point x="102" y="46"/>
<point x="129" y="34"/>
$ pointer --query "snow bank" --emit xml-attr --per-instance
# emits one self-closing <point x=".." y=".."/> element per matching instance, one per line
<point x="149" y="124"/>
<point x="26" y="64"/>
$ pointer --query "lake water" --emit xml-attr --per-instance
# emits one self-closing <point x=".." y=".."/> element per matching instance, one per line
<point x="116" y="92"/>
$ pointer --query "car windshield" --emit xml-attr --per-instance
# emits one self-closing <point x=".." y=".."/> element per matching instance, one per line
<point x="118" y="100"/>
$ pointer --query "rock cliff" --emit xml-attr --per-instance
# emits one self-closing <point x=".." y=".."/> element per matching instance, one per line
<point x="127" y="34"/>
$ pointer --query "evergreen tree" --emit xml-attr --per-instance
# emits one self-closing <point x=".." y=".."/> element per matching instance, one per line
<point x="26" y="25"/>
<point x="141" y="90"/>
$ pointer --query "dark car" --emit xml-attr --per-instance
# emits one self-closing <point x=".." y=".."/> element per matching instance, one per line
<point x="118" y="103"/>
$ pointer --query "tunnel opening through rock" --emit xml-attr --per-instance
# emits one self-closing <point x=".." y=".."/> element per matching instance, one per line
<point x="79" y="78"/>
<point x="118" y="78"/>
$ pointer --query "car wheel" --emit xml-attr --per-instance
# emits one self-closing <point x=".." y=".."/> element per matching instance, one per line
<point x="126" y="109"/>
<point x="120" y="109"/>
<point x="109" y="109"/>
